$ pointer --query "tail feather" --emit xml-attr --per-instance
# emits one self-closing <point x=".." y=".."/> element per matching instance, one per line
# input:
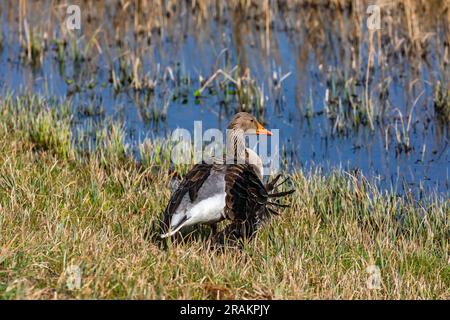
<point x="174" y="229"/>
<point x="282" y="182"/>
<point x="279" y="205"/>
<point x="272" y="211"/>
<point x="271" y="185"/>
<point x="281" y="194"/>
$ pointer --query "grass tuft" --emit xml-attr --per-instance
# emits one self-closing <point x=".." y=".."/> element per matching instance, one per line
<point x="75" y="228"/>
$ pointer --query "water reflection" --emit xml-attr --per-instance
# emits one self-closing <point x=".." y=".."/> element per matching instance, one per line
<point x="300" y="66"/>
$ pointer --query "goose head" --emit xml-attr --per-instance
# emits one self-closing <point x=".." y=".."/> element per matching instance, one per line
<point x="247" y="123"/>
<point x="243" y="124"/>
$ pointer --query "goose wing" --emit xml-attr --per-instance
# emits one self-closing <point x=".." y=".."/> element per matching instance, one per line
<point x="245" y="192"/>
<point x="247" y="202"/>
<point x="191" y="185"/>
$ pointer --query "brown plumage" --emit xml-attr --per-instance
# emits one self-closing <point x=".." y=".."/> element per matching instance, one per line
<point x="248" y="204"/>
<point x="191" y="183"/>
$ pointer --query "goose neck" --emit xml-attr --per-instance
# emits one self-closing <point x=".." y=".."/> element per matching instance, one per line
<point x="236" y="144"/>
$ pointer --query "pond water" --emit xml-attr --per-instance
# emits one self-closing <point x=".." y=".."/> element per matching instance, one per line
<point x="319" y="106"/>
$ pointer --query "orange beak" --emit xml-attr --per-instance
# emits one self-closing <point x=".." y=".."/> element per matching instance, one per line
<point x="262" y="130"/>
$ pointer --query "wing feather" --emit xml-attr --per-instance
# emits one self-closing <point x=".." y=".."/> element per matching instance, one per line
<point x="247" y="202"/>
<point x="245" y="192"/>
<point x="191" y="184"/>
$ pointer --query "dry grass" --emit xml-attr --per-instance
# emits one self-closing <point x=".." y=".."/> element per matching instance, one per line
<point x="57" y="212"/>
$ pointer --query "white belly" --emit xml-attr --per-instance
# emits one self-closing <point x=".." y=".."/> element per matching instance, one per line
<point x="209" y="210"/>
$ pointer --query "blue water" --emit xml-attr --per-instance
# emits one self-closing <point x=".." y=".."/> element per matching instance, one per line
<point x="310" y="142"/>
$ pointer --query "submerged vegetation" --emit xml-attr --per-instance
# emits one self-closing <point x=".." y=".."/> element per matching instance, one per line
<point x="83" y="177"/>
<point x="76" y="225"/>
<point x="442" y="102"/>
<point x="158" y="65"/>
<point x="358" y="72"/>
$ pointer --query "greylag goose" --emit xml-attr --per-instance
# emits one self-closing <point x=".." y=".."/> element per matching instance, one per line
<point x="232" y="190"/>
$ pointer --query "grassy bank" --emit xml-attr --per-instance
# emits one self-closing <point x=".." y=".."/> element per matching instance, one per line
<point x="74" y="222"/>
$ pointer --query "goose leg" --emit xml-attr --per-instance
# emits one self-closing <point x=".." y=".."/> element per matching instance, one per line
<point x="213" y="229"/>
